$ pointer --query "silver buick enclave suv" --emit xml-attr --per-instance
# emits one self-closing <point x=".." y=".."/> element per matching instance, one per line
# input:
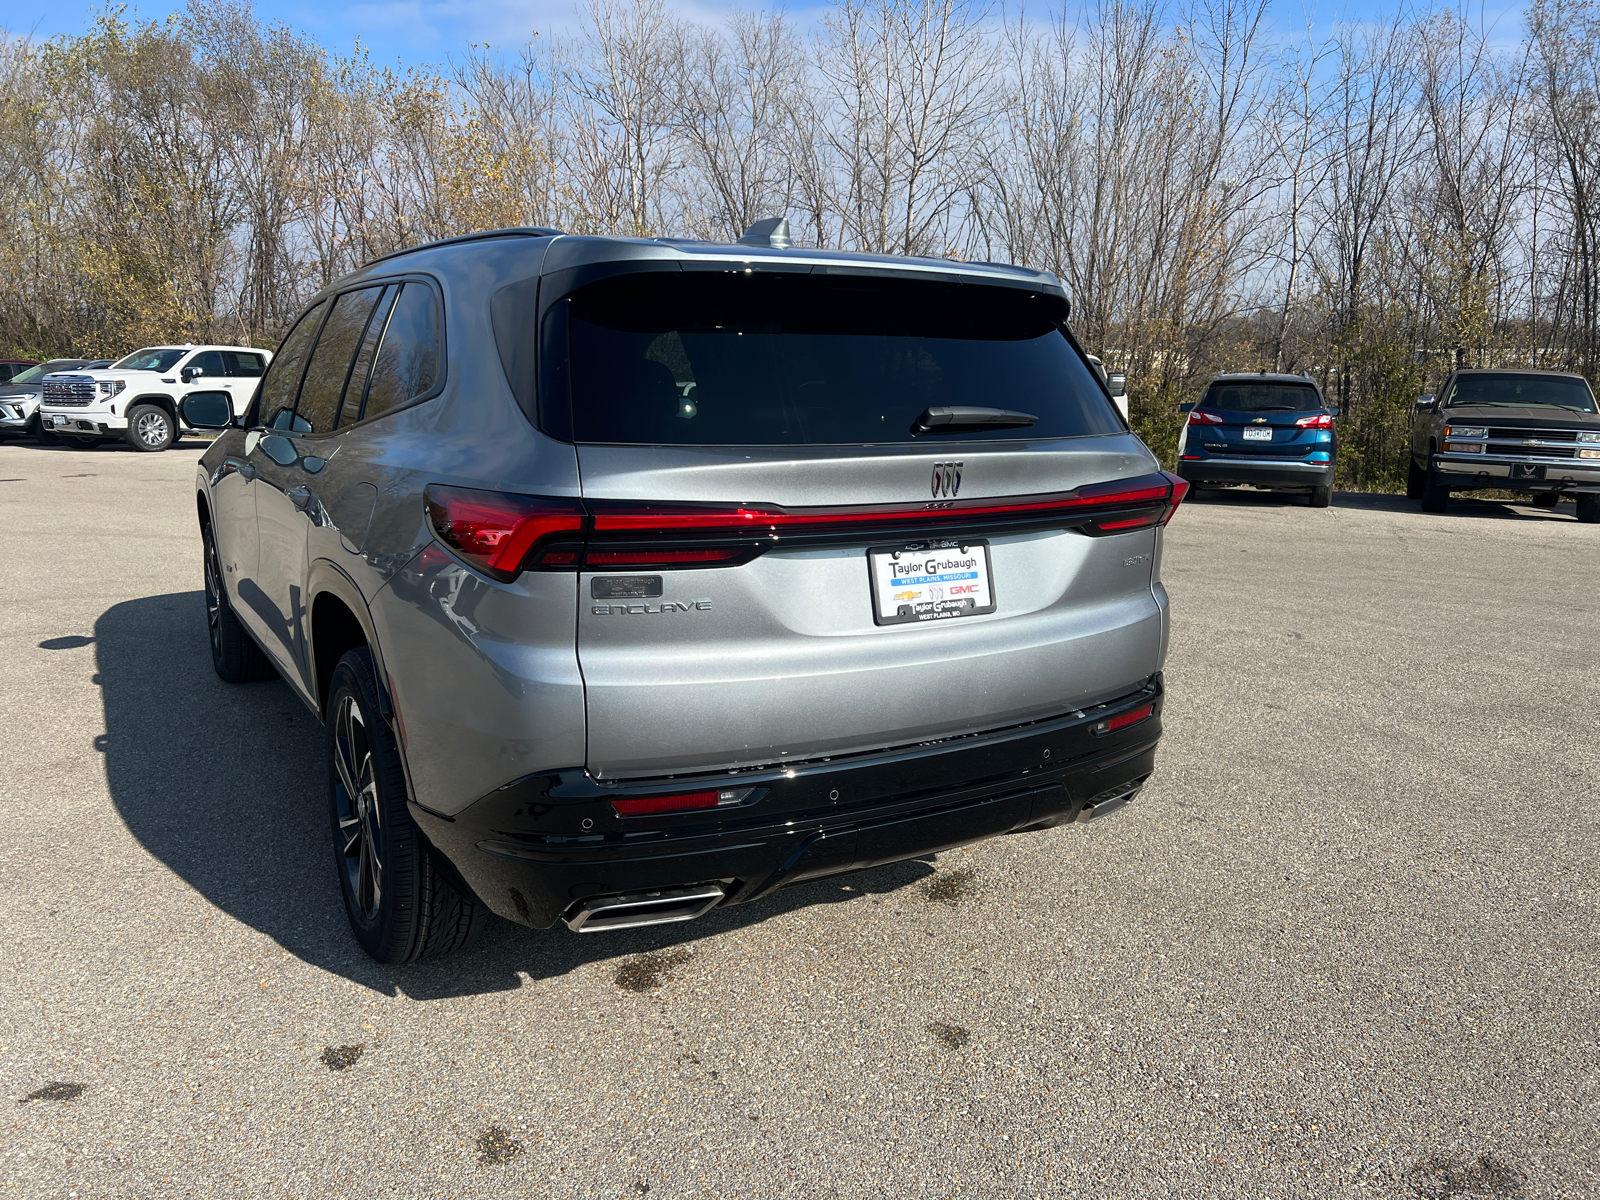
<point x="634" y="577"/>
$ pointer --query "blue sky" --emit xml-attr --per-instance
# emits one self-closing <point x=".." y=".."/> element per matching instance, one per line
<point x="433" y="30"/>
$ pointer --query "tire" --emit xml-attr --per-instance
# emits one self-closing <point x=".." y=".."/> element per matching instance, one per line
<point x="151" y="428"/>
<point x="1435" y="496"/>
<point x="1589" y="508"/>
<point x="1321" y="497"/>
<point x="1416" y="479"/>
<point x="400" y="905"/>
<point x="1547" y="500"/>
<point x="234" y="654"/>
<point x="40" y="434"/>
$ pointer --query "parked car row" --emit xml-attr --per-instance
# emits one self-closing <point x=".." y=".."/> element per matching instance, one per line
<point x="137" y="399"/>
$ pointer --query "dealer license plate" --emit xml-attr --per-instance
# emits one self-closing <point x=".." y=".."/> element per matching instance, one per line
<point x="60" y="422"/>
<point x="930" y="581"/>
<point x="1258" y="435"/>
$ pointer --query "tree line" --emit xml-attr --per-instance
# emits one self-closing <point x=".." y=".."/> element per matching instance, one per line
<point x="1372" y="204"/>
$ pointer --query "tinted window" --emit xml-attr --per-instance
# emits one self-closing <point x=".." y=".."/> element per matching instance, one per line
<point x="241" y="366"/>
<point x="330" y="361"/>
<point x="355" y="391"/>
<point x="1261" y="397"/>
<point x="772" y="359"/>
<point x="282" y="383"/>
<point x="407" y="365"/>
<point x="1509" y="389"/>
<point x="208" y="362"/>
<point x="150" y="360"/>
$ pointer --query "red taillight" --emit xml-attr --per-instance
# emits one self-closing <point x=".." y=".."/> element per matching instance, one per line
<point x="1204" y="418"/>
<point x="1180" y="490"/>
<point x="1320" y="421"/>
<point x="642" y="806"/>
<point x="498" y="532"/>
<point x="505" y="534"/>
<point x="1122" y="720"/>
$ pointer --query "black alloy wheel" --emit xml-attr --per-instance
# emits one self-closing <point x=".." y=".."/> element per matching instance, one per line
<point x="356" y="814"/>
<point x="235" y="657"/>
<point x="401" y="906"/>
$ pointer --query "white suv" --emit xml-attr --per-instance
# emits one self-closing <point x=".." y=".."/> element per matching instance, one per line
<point x="137" y="397"/>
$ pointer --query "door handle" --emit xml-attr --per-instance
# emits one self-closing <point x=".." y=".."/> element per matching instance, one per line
<point x="301" y="498"/>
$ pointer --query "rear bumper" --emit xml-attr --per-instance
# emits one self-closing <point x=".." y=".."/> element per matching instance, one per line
<point x="1272" y="473"/>
<point x="536" y="849"/>
<point x="1462" y="472"/>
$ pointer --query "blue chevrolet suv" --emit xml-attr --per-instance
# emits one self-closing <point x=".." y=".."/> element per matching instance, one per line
<point x="1270" y="431"/>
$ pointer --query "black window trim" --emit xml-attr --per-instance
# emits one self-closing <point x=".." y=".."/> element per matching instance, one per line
<point x="329" y="299"/>
<point x="439" y="381"/>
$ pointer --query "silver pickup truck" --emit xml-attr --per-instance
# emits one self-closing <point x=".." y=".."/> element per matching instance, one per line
<point x="1522" y="431"/>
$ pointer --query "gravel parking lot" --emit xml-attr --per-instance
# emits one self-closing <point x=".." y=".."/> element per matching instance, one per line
<point x="1344" y="945"/>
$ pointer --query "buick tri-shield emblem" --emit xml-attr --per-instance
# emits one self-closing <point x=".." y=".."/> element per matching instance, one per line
<point x="946" y="479"/>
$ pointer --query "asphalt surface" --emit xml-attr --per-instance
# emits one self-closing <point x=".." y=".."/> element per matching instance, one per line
<point x="1344" y="945"/>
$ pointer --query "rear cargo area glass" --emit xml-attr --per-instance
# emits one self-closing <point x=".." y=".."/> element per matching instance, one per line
<point x="1261" y="397"/>
<point x="736" y="359"/>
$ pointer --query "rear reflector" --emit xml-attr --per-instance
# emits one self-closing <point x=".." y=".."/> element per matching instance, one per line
<point x="641" y="806"/>
<point x="1122" y="720"/>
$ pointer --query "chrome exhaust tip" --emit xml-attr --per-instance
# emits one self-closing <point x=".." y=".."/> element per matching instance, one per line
<point x="629" y="910"/>
<point x="1108" y="802"/>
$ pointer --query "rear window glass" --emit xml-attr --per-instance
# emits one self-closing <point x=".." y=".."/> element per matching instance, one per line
<point x="1261" y="397"/>
<point x="730" y="359"/>
<point x="1549" y="390"/>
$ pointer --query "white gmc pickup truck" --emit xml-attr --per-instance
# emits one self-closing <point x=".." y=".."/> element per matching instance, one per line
<point x="137" y="397"/>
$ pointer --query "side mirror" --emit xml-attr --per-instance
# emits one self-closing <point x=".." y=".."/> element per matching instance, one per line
<point x="1119" y="383"/>
<point x="207" y="410"/>
<point x="1332" y="406"/>
<point x="1427" y="403"/>
<point x="189" y="374"/>
<point x="1186" y="407"/>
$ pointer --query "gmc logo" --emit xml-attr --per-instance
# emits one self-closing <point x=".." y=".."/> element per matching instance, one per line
<point x="966" y="589"/>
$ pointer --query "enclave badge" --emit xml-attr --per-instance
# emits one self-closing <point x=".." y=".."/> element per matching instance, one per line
<point x="946" y="479"/>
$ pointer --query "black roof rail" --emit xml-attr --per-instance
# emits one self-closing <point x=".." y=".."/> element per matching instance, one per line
<point x="485" y="235"/>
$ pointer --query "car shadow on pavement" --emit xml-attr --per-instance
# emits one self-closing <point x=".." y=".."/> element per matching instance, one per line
<point x="224" y="784"/>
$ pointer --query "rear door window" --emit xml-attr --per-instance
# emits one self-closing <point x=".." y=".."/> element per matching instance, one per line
<point x="208" y="363"/>
<point x="275" y="405"/>
<point x="1261" y="397"/>
<point x="318" y="410"/>
<point x="729" y="359"/>
<point x="407" y="364"/>
<point x="238" y="365"/>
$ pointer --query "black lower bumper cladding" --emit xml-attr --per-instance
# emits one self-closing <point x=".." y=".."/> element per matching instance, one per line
<point x="541" y="846"/>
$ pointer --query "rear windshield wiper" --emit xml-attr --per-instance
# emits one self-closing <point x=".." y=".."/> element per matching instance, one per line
<point x="1276" y="408"/>
<point x="950" y="418"/>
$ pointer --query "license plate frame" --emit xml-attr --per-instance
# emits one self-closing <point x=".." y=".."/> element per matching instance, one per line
<point x="1527" y="470"/>
<point x="1258" y="435"/>
<point x="946" y="553"/>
